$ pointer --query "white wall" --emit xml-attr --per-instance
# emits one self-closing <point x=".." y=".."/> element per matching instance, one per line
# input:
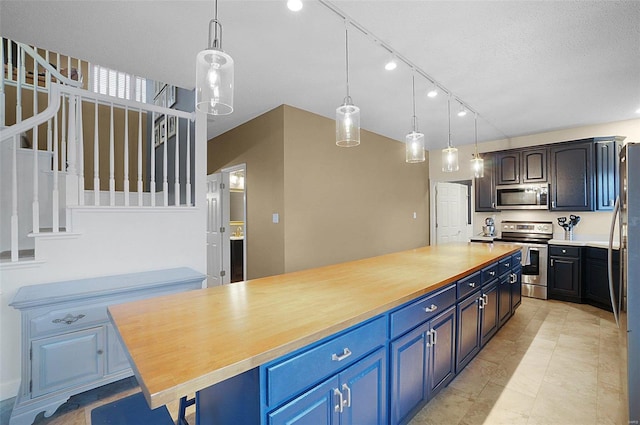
<point x="593" y="225"/>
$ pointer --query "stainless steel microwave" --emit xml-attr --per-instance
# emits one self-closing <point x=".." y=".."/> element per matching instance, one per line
<point x="523" y="197"/>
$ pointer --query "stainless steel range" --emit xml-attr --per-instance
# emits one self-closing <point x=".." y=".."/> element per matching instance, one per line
<point x="534" y="237"/>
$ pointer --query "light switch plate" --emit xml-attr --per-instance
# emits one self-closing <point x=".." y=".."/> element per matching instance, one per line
<point x="276" y="218"/>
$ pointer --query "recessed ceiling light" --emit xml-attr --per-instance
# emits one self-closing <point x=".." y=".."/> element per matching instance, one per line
<point x="294" y="5"/>
<point x="391" y="65"/>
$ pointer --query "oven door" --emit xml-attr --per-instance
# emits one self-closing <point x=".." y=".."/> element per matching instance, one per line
<point x="534" y="269"/>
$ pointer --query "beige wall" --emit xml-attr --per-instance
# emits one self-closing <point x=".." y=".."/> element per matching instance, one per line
<point x="258" y="144"/>
<point x="592" y="225"/>
<point x="348" y="203"/>
<point x="335" y="204"/>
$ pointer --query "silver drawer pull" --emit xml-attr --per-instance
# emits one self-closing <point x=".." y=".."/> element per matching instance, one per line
<point x="472" y="284"/>
<point x="492" y="273"/>
<point x="345" y="353"/>
<point x="340" y="406"/>
<point x="347" y="402"/>
<point x="431" y="308"/>
<point x="68" y="319"/>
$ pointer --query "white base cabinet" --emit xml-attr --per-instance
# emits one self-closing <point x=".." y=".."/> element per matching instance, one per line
<point x="68" y="342"/>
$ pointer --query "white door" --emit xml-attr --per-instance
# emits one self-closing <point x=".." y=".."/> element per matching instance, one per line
<point x="451" y="213"/>
<point x="214" y="224"/>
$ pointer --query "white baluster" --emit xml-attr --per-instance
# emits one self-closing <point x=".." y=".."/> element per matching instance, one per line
<point x="96" y="157"/>
<point x="176" y="187"/>
<point x="152" y="178"/>
<point x="68" y="67"/>
<point x="126" y="156"/>
<point x="63" y="142"/>
<point x="80" y="162"/>
<point x="20" y="70"/>
<point x="35" y="204"/>
<point x="165" y="168"/>
<point x="56" y="193"/>
<point x="47" y="80"/>
<point x="14" y="200"/>
<point x="140" y="187"/>
<point x="72" y="151"/>
<point x="112" y="173"/>
<point x="10" y="59"/>
<point x="188" y="171"/>
<point x="2" y="96"/>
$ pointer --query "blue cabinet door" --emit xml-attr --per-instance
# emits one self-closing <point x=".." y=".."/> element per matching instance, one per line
<point x="409" y="365"/>
<point x="489" y="313"/>
<point x="468" y="330"/>
<point x="443" y="354"/>
<point x="504" y="299"/>
<point x="364" y="391"/>
<point x="315" y="407"/>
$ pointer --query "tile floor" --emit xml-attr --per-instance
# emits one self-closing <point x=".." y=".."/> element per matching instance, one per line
<point x="553" y="363"/>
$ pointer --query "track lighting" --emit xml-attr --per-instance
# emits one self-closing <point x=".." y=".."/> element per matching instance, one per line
<point x="463" y="111"/>
<point x="433" y="92"/>
<point x="391" y="64"/>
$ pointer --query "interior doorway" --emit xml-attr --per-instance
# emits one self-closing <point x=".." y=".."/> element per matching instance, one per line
<point x="452" y="213"/>
<point x="226" y="226"/>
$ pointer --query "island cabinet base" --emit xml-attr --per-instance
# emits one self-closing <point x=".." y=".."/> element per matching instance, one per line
<point x="381" y="371"/>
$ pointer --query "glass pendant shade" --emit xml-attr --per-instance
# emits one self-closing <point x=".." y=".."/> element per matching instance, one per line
<point x="415" y="147"/>
<point x="477" y="166"/>
<point x="214" y="82"/>
<point x="347" y="124"/>
<point x="450" y="159"/>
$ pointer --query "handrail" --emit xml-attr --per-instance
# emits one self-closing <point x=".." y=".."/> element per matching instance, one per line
<point x="43" y="63"/>
<point x="29" y="123"/>
<point x="131" y="104"/>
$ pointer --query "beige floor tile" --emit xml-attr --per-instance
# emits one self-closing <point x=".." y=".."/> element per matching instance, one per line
<point x="555" y="405"/>
<point x="447" y="408"/>
<point x="474" y="377"/>
<point x="498" y="405"/>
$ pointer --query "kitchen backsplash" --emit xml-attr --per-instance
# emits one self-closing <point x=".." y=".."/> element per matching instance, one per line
<point x="593" y="226"/>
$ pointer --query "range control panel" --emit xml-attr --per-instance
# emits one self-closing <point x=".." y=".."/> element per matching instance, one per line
<point x="529" y="227"/>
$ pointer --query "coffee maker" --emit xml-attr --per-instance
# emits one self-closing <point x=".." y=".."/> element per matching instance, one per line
<point x="489" y="229"/>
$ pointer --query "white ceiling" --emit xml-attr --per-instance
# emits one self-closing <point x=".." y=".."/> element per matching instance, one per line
<point x="525" y="66"/>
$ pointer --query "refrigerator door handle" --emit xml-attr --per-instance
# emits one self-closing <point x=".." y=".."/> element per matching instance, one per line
<point x="614" y="304"/>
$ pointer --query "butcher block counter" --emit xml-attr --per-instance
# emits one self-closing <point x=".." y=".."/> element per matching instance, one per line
<point x="183" y="343"/>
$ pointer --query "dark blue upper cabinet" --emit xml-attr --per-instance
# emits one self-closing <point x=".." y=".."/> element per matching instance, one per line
<point x="572" y="170"/>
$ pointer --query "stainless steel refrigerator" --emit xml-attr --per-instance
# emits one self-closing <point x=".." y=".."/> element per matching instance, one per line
<point x="626" y="303"/>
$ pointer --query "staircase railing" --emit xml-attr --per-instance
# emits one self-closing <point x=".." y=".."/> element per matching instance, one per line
<point x="126" y="153"/>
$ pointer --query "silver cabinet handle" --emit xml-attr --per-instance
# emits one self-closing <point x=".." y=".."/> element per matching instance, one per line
<point x="68" y="319"/>
<point x="340" y="406"/>
<point x="551" y="262"/>
<point x="347" y="402"/>
<point x="564" y="251"/>
<point x="485" y="297"/>
<point x="553" y="204"/>
<point x="429" y="339"/>
<point x="345" y="353"/>
<point x="434" y="334"/>
<point x="492" y="273"/>
<point x="513" y="278"/>
<point x="431" y="308"/>
<point x="481" y="302"/>
<point x="472" y="284"/>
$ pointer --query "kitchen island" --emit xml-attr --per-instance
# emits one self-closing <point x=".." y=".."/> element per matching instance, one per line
<point x="246" y="336"/>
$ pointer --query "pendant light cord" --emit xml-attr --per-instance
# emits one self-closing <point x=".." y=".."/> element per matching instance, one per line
<point x="346" y="42"/>
<point x="449" y="118"/>
<point x="475" y="124"/>
<point x="413" y="88"/>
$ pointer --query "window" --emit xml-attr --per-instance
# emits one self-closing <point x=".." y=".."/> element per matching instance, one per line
<point x="118" y="84"/>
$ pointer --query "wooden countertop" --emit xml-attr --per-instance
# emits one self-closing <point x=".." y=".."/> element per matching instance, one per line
<point x="182" y="343"/>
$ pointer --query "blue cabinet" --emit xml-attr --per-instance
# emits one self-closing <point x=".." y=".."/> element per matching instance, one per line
<point x="468" y="329"/>
<point x="516" y="288"/>
<point x="422" y="362"/>
<point x="355" y="396"/>
<point x="489" y="311"/>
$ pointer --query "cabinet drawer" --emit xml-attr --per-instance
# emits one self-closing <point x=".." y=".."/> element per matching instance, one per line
<point x="516" y="259"/>
<point x="489" y="273"/>
<point x="504" y="266"/>
<point x="469" y="284"/>
<point x="299" y="372"/>
<point x="67" y="319"/>
<point x="564" y="251"/>
<point x="415" y="313"/>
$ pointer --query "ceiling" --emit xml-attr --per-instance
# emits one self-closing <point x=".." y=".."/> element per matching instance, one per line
<point x="524" y="66"/>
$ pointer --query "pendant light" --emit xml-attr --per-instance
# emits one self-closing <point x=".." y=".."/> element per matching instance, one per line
<point x="477" y="163"/>
<point x="347" y="114"/>
<point x="214" y="74"/>
<point x="449" y="154"/>
<point x="414" y="140"/>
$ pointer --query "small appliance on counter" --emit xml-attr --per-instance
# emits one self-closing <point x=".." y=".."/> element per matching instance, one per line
<point x="489" y="229"/>
<point x="568" y="226"/>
